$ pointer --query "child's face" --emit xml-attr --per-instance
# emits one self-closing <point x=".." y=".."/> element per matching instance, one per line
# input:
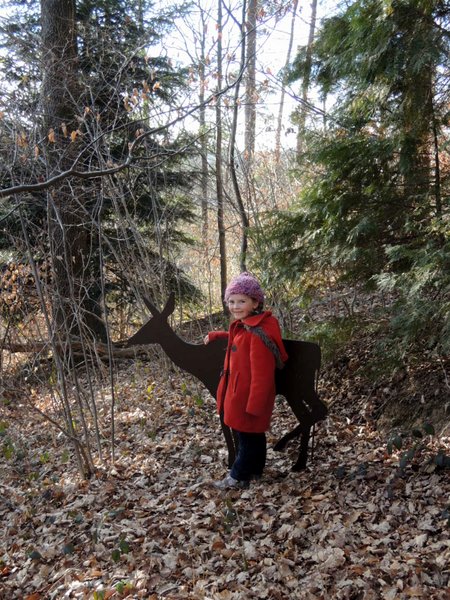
<point x="241" y="306"/>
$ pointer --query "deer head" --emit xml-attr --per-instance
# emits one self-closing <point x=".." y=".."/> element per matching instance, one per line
<point x="152" y="331"/>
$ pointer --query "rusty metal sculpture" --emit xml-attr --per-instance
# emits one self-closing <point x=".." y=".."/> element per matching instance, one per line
<point x="297" y="381"/>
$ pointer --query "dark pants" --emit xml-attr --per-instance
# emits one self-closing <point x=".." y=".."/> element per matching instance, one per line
<point x="251" y="458"/>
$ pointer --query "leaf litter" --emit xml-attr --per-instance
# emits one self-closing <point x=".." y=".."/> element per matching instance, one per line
<point x="351" y="526"/>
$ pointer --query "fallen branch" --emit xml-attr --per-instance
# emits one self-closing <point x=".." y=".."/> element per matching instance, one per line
<point x="38" y="346"/>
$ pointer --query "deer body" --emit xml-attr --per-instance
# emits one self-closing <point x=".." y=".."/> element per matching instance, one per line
<point x="203" y="362"/>
<point x="296" y="381"/>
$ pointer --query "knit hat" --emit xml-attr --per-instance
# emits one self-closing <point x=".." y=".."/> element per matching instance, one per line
<point x="247" y="284"/>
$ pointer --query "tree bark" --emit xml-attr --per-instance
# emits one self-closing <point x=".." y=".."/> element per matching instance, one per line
<point x="219" y="174"/>
<point x="417" y="124"/>
<point x="283" y="89"/>
<point x="306" y="80"/>
<point x="72" y="253"/>
<point x="232" y="162"/>
<point x="250" y="81"/>
<point x="203" y="136"/>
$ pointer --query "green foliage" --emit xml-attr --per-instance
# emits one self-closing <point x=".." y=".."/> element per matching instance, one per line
<point x="375" y="210"/>
<point x="44" y="458"/>
<point x="184" y="389"/>
<point x="8" y="449"/>
<point x="421" y="316"/>
<point x="150" y="391"/>
<point x="124" y="86"/>
<point x="123" y="587"/>
<point x="332" y="335"/>
<point x="198" y="400"/>
<point x="123" y="548"/>
<point x="193" y="399"/>
<point x="116" y="554"/>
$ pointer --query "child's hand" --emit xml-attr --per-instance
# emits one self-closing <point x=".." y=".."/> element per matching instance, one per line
<point x="206" y="339"/>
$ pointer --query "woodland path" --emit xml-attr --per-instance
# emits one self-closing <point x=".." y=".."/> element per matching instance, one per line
<point x="350" y="526"/>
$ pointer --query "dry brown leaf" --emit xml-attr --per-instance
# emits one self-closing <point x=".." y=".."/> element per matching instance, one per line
<point x="308" y="535"/>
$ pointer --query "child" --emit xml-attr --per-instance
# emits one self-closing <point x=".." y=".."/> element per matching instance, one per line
<point x="246" y="392"/>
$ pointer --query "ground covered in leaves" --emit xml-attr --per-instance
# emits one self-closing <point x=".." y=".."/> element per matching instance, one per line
<point x="353" y="525"/>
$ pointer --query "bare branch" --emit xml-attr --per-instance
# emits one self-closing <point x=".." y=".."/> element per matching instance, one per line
<point x="73" y="172"/>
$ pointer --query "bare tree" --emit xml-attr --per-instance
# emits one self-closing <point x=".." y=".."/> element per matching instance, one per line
<point x="203" y="132"/>
<point x="232" y="152"/>
<point x="306" y="79"/>
<point x="250" y="79"/>
<point x="65" y="221"/>
<point x="283" y="88"/>
<point x="219" y="158"/>
<point x="79" y="176"/>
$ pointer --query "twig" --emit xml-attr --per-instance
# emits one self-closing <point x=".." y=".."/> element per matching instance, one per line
<point x="73" y="172"/>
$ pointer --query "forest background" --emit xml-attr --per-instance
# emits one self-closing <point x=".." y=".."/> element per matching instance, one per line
<point x="148" y="149"/>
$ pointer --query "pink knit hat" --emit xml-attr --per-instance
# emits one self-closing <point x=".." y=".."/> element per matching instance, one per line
<point x="247" y="284"/>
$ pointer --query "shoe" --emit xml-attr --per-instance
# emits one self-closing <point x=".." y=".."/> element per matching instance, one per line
<point x="230" y="482"/>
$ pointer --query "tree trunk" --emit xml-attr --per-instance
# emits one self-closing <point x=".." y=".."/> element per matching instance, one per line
<point x="283" y="89"/>
<point x="306" y="80"/>
<point x="417" y="124"/>
<point x="203" y="136"/>
<point x="232" y="162"/>
<point x="250" y="81"/>
<point x="73" y="256"/>
<point x="219" y="175"/>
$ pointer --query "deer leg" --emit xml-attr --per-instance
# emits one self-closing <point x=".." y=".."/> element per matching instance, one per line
<point x="282" y="443"/>
<point x="231" y="441"/>
<point x="303" y="452"/>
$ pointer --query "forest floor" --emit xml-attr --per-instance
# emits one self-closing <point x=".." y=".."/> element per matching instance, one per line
<point x="353" y="525"/>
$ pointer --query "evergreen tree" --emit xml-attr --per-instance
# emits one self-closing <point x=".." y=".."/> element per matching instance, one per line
<point x="376" y="209"/>
<point x="122" y="89"/>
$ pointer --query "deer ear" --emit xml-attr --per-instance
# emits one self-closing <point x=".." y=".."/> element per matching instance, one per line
<point x="170" y="305"/>
<point x="151" y="307"/>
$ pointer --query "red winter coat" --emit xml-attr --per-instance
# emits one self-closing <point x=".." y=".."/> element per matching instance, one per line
<point x="246" y="392"/>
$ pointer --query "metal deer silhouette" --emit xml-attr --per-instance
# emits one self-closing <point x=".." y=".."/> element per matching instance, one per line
<point x="297" y="381"/>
